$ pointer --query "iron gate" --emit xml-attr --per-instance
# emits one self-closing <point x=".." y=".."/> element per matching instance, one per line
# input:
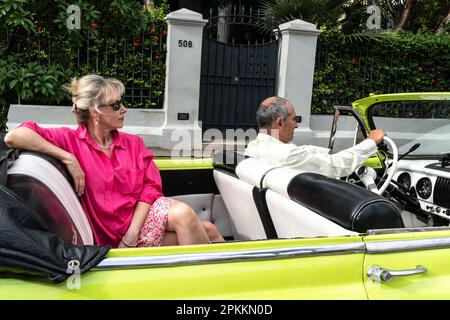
<point x="234" y="80"/>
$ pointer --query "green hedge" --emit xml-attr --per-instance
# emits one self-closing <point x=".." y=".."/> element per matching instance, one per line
<point x="136" y="57"/>
<point x="349" y="70"/>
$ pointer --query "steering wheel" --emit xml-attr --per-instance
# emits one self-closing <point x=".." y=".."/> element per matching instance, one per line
<point x="367" y="175"/>
<point x="392" y="168"/>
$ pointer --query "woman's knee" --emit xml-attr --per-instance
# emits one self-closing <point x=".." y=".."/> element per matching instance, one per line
<point x="181" y="214"/>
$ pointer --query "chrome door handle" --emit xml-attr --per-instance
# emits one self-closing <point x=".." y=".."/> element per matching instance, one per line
<point x="377" y="273"/>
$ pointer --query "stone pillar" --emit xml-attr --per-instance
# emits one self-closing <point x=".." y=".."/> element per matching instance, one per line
<point x="182" y="86"/>
<point x="296" y="69"/>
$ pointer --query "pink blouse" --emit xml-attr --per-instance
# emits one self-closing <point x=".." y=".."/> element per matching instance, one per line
<point x="113" y="185"/>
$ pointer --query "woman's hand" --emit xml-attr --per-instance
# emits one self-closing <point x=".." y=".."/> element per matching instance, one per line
<point x="128" y="241"/>
<point x="131" y="237"/>
<point x="76" y="172"/>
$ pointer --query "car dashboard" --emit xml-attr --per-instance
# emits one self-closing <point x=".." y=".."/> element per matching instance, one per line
<point x="429" y="182"/>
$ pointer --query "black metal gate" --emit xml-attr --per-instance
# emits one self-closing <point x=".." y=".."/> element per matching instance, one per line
<point x="234" y="80"/>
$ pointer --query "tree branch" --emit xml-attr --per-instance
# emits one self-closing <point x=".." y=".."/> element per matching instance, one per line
<point x="444" y="23"/>
<point x="406" y="15"/>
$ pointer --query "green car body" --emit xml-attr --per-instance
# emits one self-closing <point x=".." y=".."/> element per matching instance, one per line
<point x="299" y="268"/>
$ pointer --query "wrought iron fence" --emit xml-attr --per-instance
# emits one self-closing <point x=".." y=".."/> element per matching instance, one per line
<point x="239" y="24"/>
<point x="137" y="60"/>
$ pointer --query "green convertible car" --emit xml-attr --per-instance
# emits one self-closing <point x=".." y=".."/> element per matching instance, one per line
<point x="381" y="233"/>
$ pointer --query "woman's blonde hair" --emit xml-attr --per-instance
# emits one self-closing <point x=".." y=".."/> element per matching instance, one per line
<point x="91" y="91"/>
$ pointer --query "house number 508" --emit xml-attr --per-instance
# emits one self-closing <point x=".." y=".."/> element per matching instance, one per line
<point x="184" y="44"/>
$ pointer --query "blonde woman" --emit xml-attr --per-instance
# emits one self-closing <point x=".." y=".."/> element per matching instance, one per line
<point x="114" y="174"/>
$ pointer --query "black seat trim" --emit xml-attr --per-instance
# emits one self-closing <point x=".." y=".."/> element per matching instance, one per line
<point x="350" y="206"/>
<point x="259" y="197"/>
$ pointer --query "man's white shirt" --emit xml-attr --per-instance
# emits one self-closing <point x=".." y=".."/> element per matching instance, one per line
<point x="310" y="158"/>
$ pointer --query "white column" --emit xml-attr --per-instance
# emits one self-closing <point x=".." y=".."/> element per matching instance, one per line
<point x="296" y="69"/>
<point x="182" y="86"/>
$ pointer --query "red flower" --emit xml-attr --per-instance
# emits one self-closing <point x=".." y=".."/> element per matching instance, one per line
<point x="354" y="61"/>
<point x="93" y="25"/>
<point x="137" y="42"/>
<point x="164" y="33"/>
<point x="156" y="38"/>
<point x="433" y="81"/>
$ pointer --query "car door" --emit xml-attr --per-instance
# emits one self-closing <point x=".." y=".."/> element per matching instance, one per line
<point x="408" y="265"/>
<point x="314" y="268"/>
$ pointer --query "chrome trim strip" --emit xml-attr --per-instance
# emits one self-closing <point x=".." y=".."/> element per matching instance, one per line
<point x="172" y="260"/>
<point x="405" y="230"/>
<point x="407" y="245"/>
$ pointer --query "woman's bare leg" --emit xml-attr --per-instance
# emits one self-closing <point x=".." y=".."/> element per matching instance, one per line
<point x="169" y="239"/>
<point x="184" y="222"/>
<point x="211" y="230"/>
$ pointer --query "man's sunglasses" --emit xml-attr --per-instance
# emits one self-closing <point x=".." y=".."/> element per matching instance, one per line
<point x="116" y="105"/>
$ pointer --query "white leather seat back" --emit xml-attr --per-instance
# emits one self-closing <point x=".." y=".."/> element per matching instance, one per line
<point x="294" y="220"/>
<point x="238" y="198"/>
<point x="60" y="207"/>
<point x="252" y="170"/>
<point x="289" y="218"/>
<point x="278" y="180"/>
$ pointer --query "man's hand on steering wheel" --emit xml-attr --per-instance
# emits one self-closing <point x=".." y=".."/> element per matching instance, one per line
<point x="376" y="135"/>
<point x="379" y="136"/>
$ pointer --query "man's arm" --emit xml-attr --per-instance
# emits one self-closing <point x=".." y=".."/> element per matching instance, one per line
<point x="335" y="165"/>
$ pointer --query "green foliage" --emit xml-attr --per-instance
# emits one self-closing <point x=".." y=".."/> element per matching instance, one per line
<point x="319" y="12"/>
<point x="30" y="79"/>
<point x="345" y="72"/>
<point x="426" y="14"/>
<point x="117" y="38"/>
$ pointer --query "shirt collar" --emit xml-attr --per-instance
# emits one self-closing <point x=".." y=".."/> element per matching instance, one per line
<point x="83" y="134"/>
<point x="267" y="138"/>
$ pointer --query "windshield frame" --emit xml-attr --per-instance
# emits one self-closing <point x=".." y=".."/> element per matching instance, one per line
<point x="365" y="108"/>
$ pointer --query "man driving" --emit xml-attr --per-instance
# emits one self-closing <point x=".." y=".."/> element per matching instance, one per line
<point x="276" y="119"/>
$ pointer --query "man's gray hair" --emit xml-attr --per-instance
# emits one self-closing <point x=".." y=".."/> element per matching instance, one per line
<point x="268" y="112"/>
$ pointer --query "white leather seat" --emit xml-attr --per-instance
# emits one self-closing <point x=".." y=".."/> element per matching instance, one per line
<point x="289" y="218"/>
<point x="46" y="191"/>
<point x="238" y="198"/>
<point x="294" y="220"/>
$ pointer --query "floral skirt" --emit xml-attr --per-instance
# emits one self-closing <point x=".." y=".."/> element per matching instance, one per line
<point x="152" y="232"/>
